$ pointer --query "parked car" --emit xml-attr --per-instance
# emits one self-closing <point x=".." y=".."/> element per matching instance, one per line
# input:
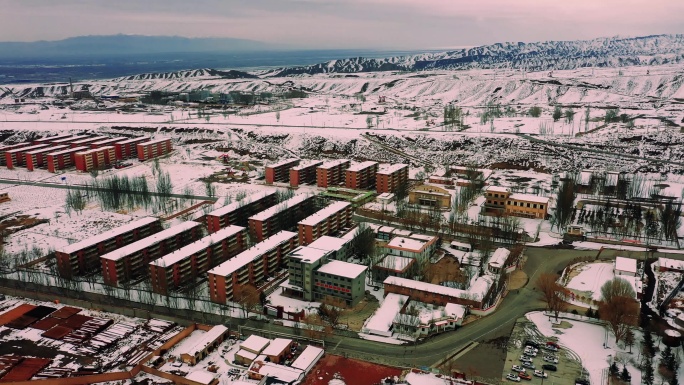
<point x="541" y="373"/>
<point x="525" y="358"/>
<point x="551" y="359"/>
<point x="530" y="352"/>
<point x="525" y="376"/>
<point x="551" y="348"/>
<point x="528" y="365"/>
<point x="554" y="344"/>
<point x="512" y="377"/>
<point x="518" y="368"/>
<point x="532" y="343"/>
<point x="549" y="367"/>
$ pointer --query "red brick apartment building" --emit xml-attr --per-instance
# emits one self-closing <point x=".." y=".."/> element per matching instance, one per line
<point x="331" y="173"/>
<point x="328" y="221"/>
<point x="15" y="157"/>
<point x="4" y="149"/>
<point x="107" y="142"/>
<point x="252" y="266"/>
<point x="282" y="216"/>
<point x="132" y="261"/>
<point x="304" y="174"/>
<point x="84" y="256"/>
<point x="51" y="139"/>
<point x="127" y="148"/>
<point x="94" y="158"/>
<point x="361" y="176"/>
<point x="238" y="213"/>
<point x="87" y="141"/>
<point x="390" y="178"/>
<point x="70" y="139"/>
<point x="153" y="149"/>
<point x="38" y="158"/>
<point x="63" y="159"/>
<point x="280" y="172"/>
<point x="189" y="262"/>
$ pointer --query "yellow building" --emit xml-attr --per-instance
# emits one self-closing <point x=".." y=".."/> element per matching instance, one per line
<point x="500" y="200"/>
<point x="430" y="196"/>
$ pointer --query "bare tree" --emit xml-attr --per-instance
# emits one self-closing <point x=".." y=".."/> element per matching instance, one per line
<point x="247" y="296"/>
<point x="552" y="292"/>
<point x="618" y="307"/>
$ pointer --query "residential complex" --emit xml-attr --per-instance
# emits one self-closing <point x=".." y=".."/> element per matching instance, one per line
<point x="361" y="176"/>
<point x="15" y="157"/>
<point x="38" y="158"/>
<point x="107" y="142"/>
<point x="186" y="264"/>
<point x="331" y="173"/>
<point x="252" y="266"/>
<point x="84" y="256"/>
<point x="128" y="148"/>
<point x="331" y="220"/>
<point x="282" y="216"/>
<point x="4" y="149"/>
<point x="153" y="149"/>
<point x="389" y="179"/>
<point x="238" y="213"/>
<point x="314" y="277"/>
<point x="128" y="262"/>
<point x="280" y="172"/>
<point x="63" y="159"/>
<point x="500" y="200"/>
<point x="94" y="158"/>
<point x="304" y="173"/>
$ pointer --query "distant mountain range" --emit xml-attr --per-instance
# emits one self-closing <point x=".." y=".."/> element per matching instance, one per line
<point x="119" y="45"/>
<point x="539" y="56"/>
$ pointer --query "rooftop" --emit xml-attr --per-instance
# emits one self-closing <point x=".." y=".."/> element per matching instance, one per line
<point x="270" y="212"/>
<point x="110" y="140"/>
<point x="149" y="241"/>
<point x="276" y="346"/>
<point x="155" y="141"/>
<point x="135" y="140"/>
<point x="89" y="140"/>
<point x="477" y="290"/>
<point x="94" y="150"/>
<point x="70" y="139"/>
<point x="282" y="163"/>
<point x="670" y="263"/>
<point x="499" y="257"/>
<point x="328" y="243"/>
<point x="333" y="163"/>
<point x="406" y="244"/>
<point x="255" y="343"/>
<point x="342" y="269"/>
<point x="395" y="262"/>
<point x="68" y="150"/>
<point x="382" y="319"/>
<point x="325" y="213"/>
<point x="201" y="376"/>
<point x="497" y="189"/>
<point x="201" y="244"/>
<point x="626" y="264"/>
<point x="387" y="170"/>
<point x="29" y="148"/>
<point x="309" y="356"/>
<point x="47" y="149"/>
<point x="315" y="163"/>
<point x="237" y="262"/>
<point x="235" y="205"/>
<point x="94" y="240"/>
<point x="207" y="339"/>
<point x="282" y="373"/>
<point x="529" y="198"/>
<point x="362" y="166"/>
<point x="308" y="254"/>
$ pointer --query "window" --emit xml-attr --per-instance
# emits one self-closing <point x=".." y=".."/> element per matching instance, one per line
<point x="534" y="206"/>
<point x="541" y="207"/>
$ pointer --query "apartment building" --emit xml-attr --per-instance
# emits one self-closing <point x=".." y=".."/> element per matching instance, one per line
<point x="238" y="213"/>
<point x="70" y="139"/>
<point x="313" y="277"/>
<point x="94" y="158"/>
<point x="280" y="172"/>
<point x="63" y="159"/>
<point x="189" y="262"/>
<point x="84" y="256"/>
<point x="107" y="142"/>
<point x="128" y="148"/>
<point x="500" y="200"/>
<point x="331" y="173"/>
<point x="51" y="139"/>
<point x="153" y="149"/>
<point x="333" y="219"/>
<point x="304" y="173"/>
<point x="87" y="141"/>
<point x="4" y="149"/>
<point x="361" y="176"/>
<point x="252" y="266"/>
<point x="283" y="216"/>
<point x="388" y="179"/>
<point x="15" y="157"/>
<point x="38" y="158"/>
<point x="132" y="261"/>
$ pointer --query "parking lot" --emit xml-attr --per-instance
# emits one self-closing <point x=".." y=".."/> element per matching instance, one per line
<point x="568" y="366"/>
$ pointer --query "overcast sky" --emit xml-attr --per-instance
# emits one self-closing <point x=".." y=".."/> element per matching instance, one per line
<point x="344" y="23"/>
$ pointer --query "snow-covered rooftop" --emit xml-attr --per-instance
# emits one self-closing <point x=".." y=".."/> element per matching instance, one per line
<point x="94" y="150"/>
<point x="160" y="140"/>
<point x="361" y="166"/>
<point x="246" y="354"/>
<point x="269" y="212"/>
<point x="109" y="140"/>
<point x="237" y="262"/>
<point x="149" y="241"/>
<point x="282" y="162"/>
<point x="333" y="163"/>
<point x="68" y="150"/>
<point x="455" y="310"/>
<point x="135" y="140"/>
<point x="94" y="240"/>
<point x="529" y="198"/>
<point x="477" y="290"/>
<point x="342" y="269"/>
<point x="235" y="205"/>
<point x="204" y="340"/>
<point x="395" y="262"/>
<point x="308" y="254"/>
<point x="276" y="346"/>
<point x="628" y="265"/>
<point x="325" y="213"/>
<point x="45" y="149"/>
<point x="70" y="139"/>
<point x="381" y="320"/>
<point x="611" y="179"/>
<point x="255" y="343"/>
<point x="315" y="163"/>
<point x="391" y="169"/>
<point x="282" y="373"/>
<point x="201" y="376"/>
<point x="670" y="263"/>
<point x="30" y="148"/>
<point x="201" y="244"/>
<point x="307" y="358"/>
<point x="499" y="257"/>
<point x="497" y="189"/>
<point x="328" y="243"/>
<point x="89" y="140"/>
<point x="406" y="244"/>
